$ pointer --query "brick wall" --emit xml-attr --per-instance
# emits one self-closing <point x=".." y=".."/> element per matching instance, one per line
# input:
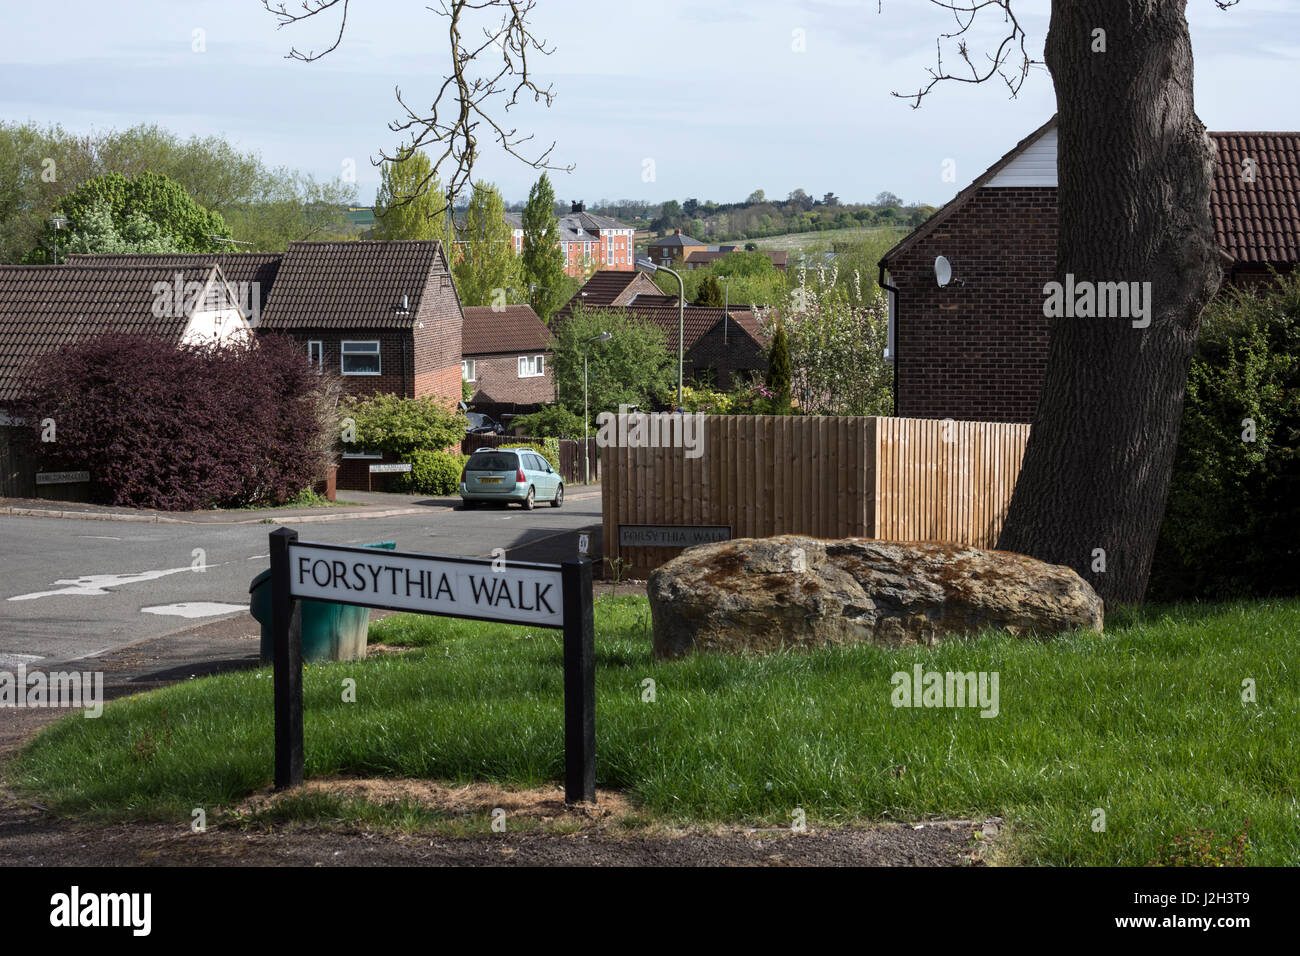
<point x="393" y="345"/>
<point x="978" y="351"/>
<point x="436" y="336"/>
<point x="497" y="381"/>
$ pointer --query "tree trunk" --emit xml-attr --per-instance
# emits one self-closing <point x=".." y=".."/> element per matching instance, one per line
<point x="1134" y="168"/>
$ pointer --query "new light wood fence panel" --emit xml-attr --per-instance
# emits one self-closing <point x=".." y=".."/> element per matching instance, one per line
<point x="828" y="477"/>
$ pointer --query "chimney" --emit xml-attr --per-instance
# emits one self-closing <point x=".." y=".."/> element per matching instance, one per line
<point x="579" y="206"/>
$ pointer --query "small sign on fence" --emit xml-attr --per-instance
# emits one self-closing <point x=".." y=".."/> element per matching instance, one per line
<point x="543" y="595"/>
<point x="670" y="535"/>
<point x="389" y="469"/>
<point x="61" y="477"/>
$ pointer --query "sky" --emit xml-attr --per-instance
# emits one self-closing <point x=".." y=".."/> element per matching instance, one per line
<point x="654" y="101"/>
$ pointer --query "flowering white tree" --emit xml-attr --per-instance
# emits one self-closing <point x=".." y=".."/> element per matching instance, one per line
<point x="837" y="349"/>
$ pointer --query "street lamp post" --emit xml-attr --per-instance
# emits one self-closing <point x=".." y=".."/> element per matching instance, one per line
<point x="645" y="265"/>
<point x="586" y="431"/>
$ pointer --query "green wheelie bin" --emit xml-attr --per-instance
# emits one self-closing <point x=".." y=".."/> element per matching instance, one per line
<point x="330" y="632"/>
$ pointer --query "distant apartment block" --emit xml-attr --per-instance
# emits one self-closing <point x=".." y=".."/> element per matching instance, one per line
<point x="589" y="241"/>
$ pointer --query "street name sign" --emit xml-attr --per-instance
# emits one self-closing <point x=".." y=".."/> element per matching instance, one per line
<point x="487" y="589"/>
<point x="428" y="584"/>
<point x="61" y="477"/>
<point x="389" y="469"/>
<point x="670" y="535"/>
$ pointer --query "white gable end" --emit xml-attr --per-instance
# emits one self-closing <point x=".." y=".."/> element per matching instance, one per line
<point x="1035" y="166"/>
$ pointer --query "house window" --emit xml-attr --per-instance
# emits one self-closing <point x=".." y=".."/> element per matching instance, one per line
<point x="360" y="358"/>
<point x="531" y="366"/>
<point x="467" y="370"/>
<point x="364" y="453"/>
<point x="316" y="356"/>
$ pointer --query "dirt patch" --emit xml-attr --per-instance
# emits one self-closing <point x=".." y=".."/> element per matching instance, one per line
<point x="475" y="798"/>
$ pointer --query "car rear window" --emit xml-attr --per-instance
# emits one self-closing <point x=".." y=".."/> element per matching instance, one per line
<point x="492" y="461"/>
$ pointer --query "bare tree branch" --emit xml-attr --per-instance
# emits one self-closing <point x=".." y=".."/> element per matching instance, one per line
<point x="1010" y="61"/>
<point x="1013" y="74"/>
<point x="466" y="102"/>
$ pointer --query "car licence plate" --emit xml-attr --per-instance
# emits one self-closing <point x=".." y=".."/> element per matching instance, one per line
<point x="489" y="481"/>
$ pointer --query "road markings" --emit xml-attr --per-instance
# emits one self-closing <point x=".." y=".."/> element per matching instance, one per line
<point x="194" y="609"/>
<point x="94" y="585"/>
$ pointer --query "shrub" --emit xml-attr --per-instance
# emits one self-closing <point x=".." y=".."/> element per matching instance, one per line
<point x="553" y="421"/>
<point x="185" y="428"/>
<point x="403" y="426"/>
<point x="1231" y="523"/>
<point x="434" y="473"/>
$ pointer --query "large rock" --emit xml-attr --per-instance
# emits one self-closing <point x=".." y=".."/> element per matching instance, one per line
<point x="761" y="594"/>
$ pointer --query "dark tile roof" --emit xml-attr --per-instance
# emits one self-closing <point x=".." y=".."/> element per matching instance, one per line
<point x="696" y="321"/>
<point x="240" y="267"/>
<point x="677" y="239"/>
<point x="1257" y="222"/>
<point x="515" y="328"/>
<point x="346" y="285"/>
<point x="43" y="308"/>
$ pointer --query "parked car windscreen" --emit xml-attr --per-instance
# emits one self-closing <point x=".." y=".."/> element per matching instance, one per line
<point x="492" y="461"/>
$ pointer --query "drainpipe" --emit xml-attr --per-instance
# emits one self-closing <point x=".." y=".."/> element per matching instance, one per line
<point x="894" y="352"/>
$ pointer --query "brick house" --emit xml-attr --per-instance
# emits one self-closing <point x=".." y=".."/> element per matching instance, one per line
<point x="665" y="249"/>
<point x="976" y="348"/>
<point x="506" y="355"/>
<point x="383" y="315"/>
<point x="587" y="240"/>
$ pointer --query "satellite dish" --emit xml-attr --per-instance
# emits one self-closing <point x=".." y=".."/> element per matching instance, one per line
<point x="942" y="271"/>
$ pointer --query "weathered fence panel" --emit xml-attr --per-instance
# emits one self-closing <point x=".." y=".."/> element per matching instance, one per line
<point x="828" y="477"/>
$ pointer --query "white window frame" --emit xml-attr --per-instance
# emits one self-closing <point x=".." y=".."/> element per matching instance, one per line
<point x="343" y="355"/>
<point x="371" y="454"/>
<point x="472" y="368"/>
<point x="532" y="366"/>
<point x="318" y="360"/>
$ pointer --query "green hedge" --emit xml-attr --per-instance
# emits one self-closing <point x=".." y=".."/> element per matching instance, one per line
<point x="1232" y="525"/>
<point x="434" y="473"/>
<point x="548" y="448"/>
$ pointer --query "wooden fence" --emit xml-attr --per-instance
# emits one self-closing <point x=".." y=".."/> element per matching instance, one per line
<point x="571" y="464"/>
<point x="828" y="477"/>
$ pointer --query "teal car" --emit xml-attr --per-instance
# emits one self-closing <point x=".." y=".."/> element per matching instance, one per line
<point x="510" y="474"/>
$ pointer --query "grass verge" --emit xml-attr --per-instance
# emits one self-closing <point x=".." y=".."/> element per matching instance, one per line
<point x="1146" y="724"/>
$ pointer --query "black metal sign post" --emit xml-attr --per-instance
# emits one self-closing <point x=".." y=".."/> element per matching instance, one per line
<point x="441" y="585"/>
<point x="286" y="624"/>
<point x="579" y="684"/>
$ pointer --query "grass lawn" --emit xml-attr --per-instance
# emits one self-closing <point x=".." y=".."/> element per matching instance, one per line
<point x="1146" y="723"/>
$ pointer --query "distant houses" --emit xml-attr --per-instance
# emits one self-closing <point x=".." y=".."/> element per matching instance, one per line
<point x="666" y="250"/>
<point x="721" y="346"/>
<point x="589" y="241"/>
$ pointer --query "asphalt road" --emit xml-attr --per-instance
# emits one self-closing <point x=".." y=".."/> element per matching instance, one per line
<point x="71" y="588"/>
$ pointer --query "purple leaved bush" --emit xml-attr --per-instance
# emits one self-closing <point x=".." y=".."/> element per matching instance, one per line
<point x="183" y="429"/>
